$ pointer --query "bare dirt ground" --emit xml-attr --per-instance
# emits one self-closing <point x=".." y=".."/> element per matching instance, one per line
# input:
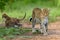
<point x="53" y="32"/>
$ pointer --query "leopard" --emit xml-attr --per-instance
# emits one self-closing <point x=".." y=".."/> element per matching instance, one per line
<point x="42" y="14"/>
<point x="12" y="22"/>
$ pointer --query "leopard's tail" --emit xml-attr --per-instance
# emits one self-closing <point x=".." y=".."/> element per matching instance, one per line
<point x="30" y="19"/>
<point x="23" y="17"/>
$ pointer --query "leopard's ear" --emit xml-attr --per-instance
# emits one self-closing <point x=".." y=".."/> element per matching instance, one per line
<point x="47" y="9"/>
<point x="4" y="13"/>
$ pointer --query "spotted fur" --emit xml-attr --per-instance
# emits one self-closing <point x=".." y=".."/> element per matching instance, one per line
<point x="42" y="16"/>
<point x="12" y="22"/>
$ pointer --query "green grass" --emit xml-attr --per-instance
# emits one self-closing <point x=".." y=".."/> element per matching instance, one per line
<point x="13" y="31"/>
<point x="10" y="33"/>
<point x="18" y="9"/>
